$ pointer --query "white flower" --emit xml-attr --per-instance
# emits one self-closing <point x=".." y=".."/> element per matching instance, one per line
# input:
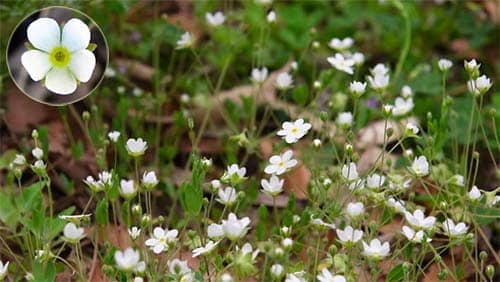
<point x="136" y="147"/>
<point x="284" y="81"/>
<point x="215" y="184"/>
<point x="134" y="232"/>
<point x="105" y="177"/>
<point x="185" y="98"/>
<point x="215" y="19"/>
<point x="327" y="276"/>
<point x="280" y="164"/>
<point x="129" y="260"/>
<point x="411" y="128"/>
<point x="127" y="189"/>
<point x="402" y="106"/>
<point x="39" y="164"/>
<point x="37" y="153"/>
<point x="344" y="119"/>
<point x="320" y="222"/>
<point x="355" y="209"/>
<point x="317" y="143"/>
<point x="161" y="239"/>
<point x="458" y="180"/>
<point x="248" y="249"/>
<point x="294" y="65"/>
<point x="227" y="196"/>
<point x="234" y="174"/>
<point x="235" y="228"/>
<point x="375" y="181"/>
<point x="454" y="230"/>
<point x="341" y="63"/>
<point x="3" y="269"/>
<point x="357" y="87"/>
<point x="60" y="58"/>
<point x="379" y="78"/>
<point x="419" y="221"/>
<point x="271" y="16"/>
<point x="185" y="41"/>
<point x="414" y="236"/>
<point x="215" y="231"/>
<point x="397" y="205"/>
<point x="113" y="136"/>
<point x="19" y="160"/>
<point x="341" y="44"/>
<point x="94" y="185"/>
<point x="474" y="193"/>
<point x="72" y="233"/>
<point x="480" y="85"/>
<point x="471" y="66"/>
<point x="205" y="249"/>
<point x="178" y="267"/>
<point x="420" y="166"/>
<point x="259" y="75"/>
<point x="296" y="277"/>
<point x="138" y="279"/>
<point x="272" y="187"/>
<point x="226" y="277"/>
<point x="444" y="64"/>
<point x="293" y="131"/>
<point x="317" y="84"/>
<point x="137" y="92"/>
<point x="287" y="243"/>
<point x="350" y="171"/>
<point x="109" y="72"/>
<point x="387" y="109"/>
<point x="406" y="91"/>
<point x="349" y="235"/>
<point x="149" y="179"/>
<point x="358" y="58"/>
<point x="277" y="270"/>
<point x="376" y="249"/>
<point x="206" y="162"/>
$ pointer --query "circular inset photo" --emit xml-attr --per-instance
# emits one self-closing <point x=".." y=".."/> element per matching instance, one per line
<point x="57" y="55"/>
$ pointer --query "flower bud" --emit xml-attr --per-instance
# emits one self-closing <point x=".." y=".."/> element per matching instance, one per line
<point x="34" y="134"/>
<point x="146" y="220"/>
<point x="136" y="210"/>
<point x="85" y="115"/>
<point x="483" y="255"/>
<point x="490" y="271"/>
<point x="323" y="115"/>
<point x="442" y="275"/>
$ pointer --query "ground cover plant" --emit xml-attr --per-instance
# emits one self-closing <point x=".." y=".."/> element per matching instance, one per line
<point x="261" y="141"/>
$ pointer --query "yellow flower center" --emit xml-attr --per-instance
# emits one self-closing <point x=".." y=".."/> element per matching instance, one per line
<point x="295" y="130"/>
<point x="60" y="56"/>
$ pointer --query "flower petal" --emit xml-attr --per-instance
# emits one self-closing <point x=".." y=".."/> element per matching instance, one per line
<point x="44" y="34"/>
<point x="36" y="63"/>
<point x="82" y="64"/>
<point x="60" y="81"/>
<point x="75" y="35"/>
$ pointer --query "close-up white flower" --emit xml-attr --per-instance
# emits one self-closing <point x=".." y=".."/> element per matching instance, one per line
<point x="227" y="196"/>
<point x="58" y="57"/>
<point x="284" y="81"/>
<point x="376" y="250"/>
<point x="215" y="19"/>
<point x="292" y="132"/>
<point x="375" y="181"/>
<point x="379" y="79"/>
<point x="178" y="267"/>
<point x="37" y="153"/>
<point x="344" y="119"/>
<point x="355" y="209"/>
<point x="215" y="231"/>
<point x="72" y="233"/>
<point x="129" y="260"/>
<point x="149" y="179"/>
<point x="341" y="44"/>
<point x="271" y="16"/>
<point x="414" y="236"/>
<point x="4" y="268"/>
<point x="444" y="64"/>
<point x="412" y="129"/>
<point x="277" y="270"/>
<point x="279" y="164"/>
<point x="205" y="249"/>
<point x="273" y="186"/>
<point x="397" y="205"/>
<point x="357" y="88"/>
<point x="474" y="193"/>
<point x="161" y="239"/>
<point x="127" y="188"/>
<point x="235" y="228"/>
<point x="418" y="220"/>
<point x="349" y="235"/>
<point x="136" y="147"/>
<point x="113" y="136"/>
<point x="402" y="106"/>
<point x="406" y="91"/>
<point x="19" y="160"/>
<point x="420" y="166"/>
<point x="234" y="174"/>
<point x="186" y="41"/>
<point x="327" y="276"/>
<point x="479" y="85"/>
<point x="134" y="232"/>
<point x="341" y="63"/>
<point x="350" y="171"/>
<point x="454" y="230"/>
<point x="259" y="75"/>
<point x="358" y="58"/>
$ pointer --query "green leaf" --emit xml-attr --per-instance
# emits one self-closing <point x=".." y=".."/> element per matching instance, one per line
<point x="7" y="158"/>
<point x="396" y="274"/>
<point x="192" y="193"/>
<point x="77" y="150"/>
<point x="300" y="95"/>
<point x="8" y="212"/>
<point x="31" y="198"/>
<point x="485" y="215"/>
<point x="101" y="212"/>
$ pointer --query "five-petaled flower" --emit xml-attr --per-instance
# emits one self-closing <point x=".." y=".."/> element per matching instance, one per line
<point x="61" y="59"/>
<point x="280" y="164"/>
<point x="293" y="131"/>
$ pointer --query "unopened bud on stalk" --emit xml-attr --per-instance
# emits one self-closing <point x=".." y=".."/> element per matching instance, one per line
<point x="136" y="210"/>
<point x="85" y="115"/>
<point x="146" y="220"/>
<point x="490" y="271"/>
<point x="323" y="116"/>
<point x="483" y="255"/>
<point x="34" y="134"/>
